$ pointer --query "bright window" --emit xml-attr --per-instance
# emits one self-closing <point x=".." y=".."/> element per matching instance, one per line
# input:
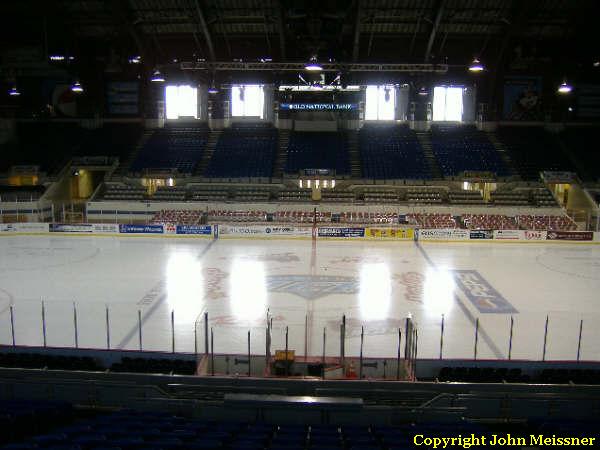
<point x="181" y="101"/>
<point x="447" y="103"/>
<point x="380" y="103"/>
<point x="247" y="101"/>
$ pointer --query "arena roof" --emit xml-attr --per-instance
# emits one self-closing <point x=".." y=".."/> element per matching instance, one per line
<point x="346" y="30"/>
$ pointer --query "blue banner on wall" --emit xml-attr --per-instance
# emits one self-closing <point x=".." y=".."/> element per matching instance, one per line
<point x="194" y="229"/>
<point x="481" y="294"/>
<point x="141" y="229"/>
<point x="341" y="232"/>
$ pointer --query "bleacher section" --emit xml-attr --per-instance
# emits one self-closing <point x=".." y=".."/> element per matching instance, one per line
<point x="21" y="193"/>
<point x="153" y="430"/>
<point x="462" y="148"/>
<point x="489" y="222"/>
<point x="465" y="198"/>
<point x="380" y="196"/>
<point x="391" y="152"/>
<point x="237" y="216"/>
<point x="177" y="217"/>
<point x="424" y="196"/>
<point x="582" y="143"/>
<point x="543" y="197"/>
<point x="318" y="150"/>
<point x="178" y="148"/>
<point x="295" y="195"/>
<point x="244" y="150"/>
<point x="302" y="216"/>
<point x="208" y="193"/>
<point x="515" y="198"/>
<point x="171" y="194"/>
<point x="368" y="217"/>
<point x="433" y="220"/>
<point x="562" y="223"/>
<point x="251" y="194"/>
<point x="336" y="195"/>
<point x="113" y="139"/>
<point x="51" y="144"/>
<point x="532" y="149"/>
<point x="124" y="192"/>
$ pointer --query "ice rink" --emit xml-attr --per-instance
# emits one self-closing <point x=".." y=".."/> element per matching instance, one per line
<point x="306" y="286"/>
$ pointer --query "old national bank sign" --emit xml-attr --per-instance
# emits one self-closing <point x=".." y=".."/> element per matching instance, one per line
<point x="319" y="106"/>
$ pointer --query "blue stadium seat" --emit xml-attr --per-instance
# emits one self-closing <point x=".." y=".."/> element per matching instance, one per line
<point x="172" y="148"/>
<point x="460" y="148"/>
<point x="391" y="152"/>
<point x="318" y="150"/>
<point x="244" y="151"/>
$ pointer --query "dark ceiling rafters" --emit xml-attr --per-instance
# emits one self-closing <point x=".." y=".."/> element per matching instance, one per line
<point x="204" y="29"/>
<point x="356" y="40"/>
<point x="281" y="29"/>
<point x="439" y="12"/>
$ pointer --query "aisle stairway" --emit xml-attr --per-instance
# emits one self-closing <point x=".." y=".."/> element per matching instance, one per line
<point x="425" y="141"/>
<point x="213" y="138"/>
<point x="355" y="167"/>
<point x="281" y="158"/>
<point x="501" y="149"/>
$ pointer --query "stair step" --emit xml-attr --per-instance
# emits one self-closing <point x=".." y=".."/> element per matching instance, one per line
<point x="425" y="141"/>
<point x="503" y="152"/>
<point x="211" y="145"/>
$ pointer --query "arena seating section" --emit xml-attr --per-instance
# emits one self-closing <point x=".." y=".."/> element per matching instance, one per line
<point x="563" y="223"/>
<point x="21" y="194"/>
<point x="422" y="220"/>
<point x="178" y="148"/>
<point x="177" y="217"/>
<point x="136" y="430"/>
<point x="432" y="220"/>
<point x="533" y="150"/>
<point x="317" y="150"/>
<point x="489" y="222"/>
<point x="582" y="143"/>
<point x="58" y="426"/>
<point x="391" y="152"/>
<point x="464" y="148"/>
<point x="51" y="144"/>
<point x="244" y="150"/>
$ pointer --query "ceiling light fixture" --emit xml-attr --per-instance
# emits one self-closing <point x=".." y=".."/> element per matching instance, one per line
<point x="77" y="88"/>
<point x="564" y="88"/>
<point x="313" y="65"/>
<point x="476" y="66"/>
<point x="157" y="77"/>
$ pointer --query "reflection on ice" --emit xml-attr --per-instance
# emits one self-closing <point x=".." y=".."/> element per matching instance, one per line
<point x="248" y="288"/>
<point x="375" y="291"/>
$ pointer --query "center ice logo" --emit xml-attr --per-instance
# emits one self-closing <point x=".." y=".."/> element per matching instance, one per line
<point x="312" y="287"/>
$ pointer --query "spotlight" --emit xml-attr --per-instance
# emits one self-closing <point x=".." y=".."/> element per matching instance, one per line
<point x="313" y="65"/>
<point x="423" y="91"/>
<point x="213" y="89"/>
<point x="13" y="92"/>
<point x="77" y="88"/>
<point x="564" y="88"/>
<point x="135" y="60"/>
<point x="157" y="77"/>
<point x="476" y="66"/>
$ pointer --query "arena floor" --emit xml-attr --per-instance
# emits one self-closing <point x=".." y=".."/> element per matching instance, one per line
<point x="304" y="285"/>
